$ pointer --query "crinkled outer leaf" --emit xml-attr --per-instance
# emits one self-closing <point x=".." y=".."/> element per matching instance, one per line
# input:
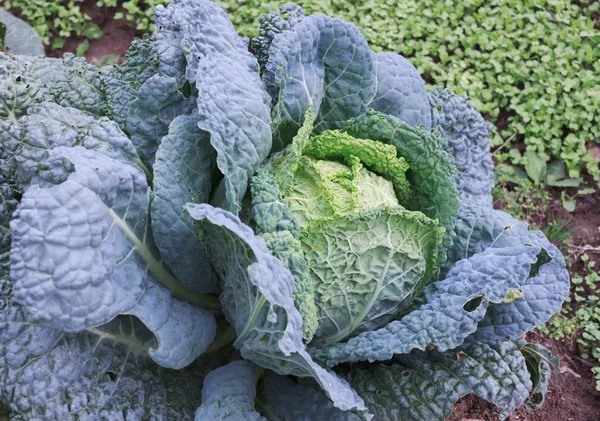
<point x="541" y="293"/>
<point x="431" y="168"/>
<point x="79" y="259"/>
<point x="465" y="135"/>
<point x="122" y="82"/>
<point x="157" y="103"/>
<point x="426" y="388"/>
<point x="539" y="360"/>
<point x="21" y="39"/>
<point x="18" y="89"/>
<point x="540" y="389"/>
<point x="228" y="394"/>
<point x="27" y="143"/>
<point x="285" y="400"/>
<point x="321" y="62"/>
<point x="400" y="90"/>
<point x="8" y="204"/>
<point x="257" y="301"/>
<point x="271" y="24"/>
<point x="184" y="172"/>
<point x="275" y="223"/>
<point x="204" y="29"/>
<point x="71" y="81"/>
<point x="452" y="308"/>
<point x="166" y="43"/>
<point x="234" y="108"/>
<point x="367" y="268"/>
<point x="100" y="373"/>
<point x="477" y="228"/>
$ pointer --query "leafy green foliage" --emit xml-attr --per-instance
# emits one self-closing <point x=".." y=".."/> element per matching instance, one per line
<point x="524" y="201"/>
<point x="587" y="286"/>
<point x="335" y="225"/>
<point x="138" y="12"/>
<point x="538" y="97"/>
<point x="580" y="318"/>
<point x="544" y="96"/>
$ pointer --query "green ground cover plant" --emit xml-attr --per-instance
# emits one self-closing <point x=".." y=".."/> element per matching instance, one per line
<point x="138" y="12"/>
<point x="580" y="316"/>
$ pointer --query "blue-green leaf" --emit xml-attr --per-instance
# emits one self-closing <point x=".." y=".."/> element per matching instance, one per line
<point x="8" y="204"/>
<point x="540" y="294"/>
<point x="79" y="258"/>
<point x="539" y="360"/>
<point x="20" y="38"/>
<point x="321" y="62"/>
<point x="100" y="373"/>
<point x="228" y="394"/>
<point x="157" y="103"/>
<point x="122" y="82"/>
<point x="184" y="172"/>
<point x="271" y="24"/>
<point x="426" y="387"/>
<point x="18" y="89"/>
<point x="203" y="28"/>
<point x="465" y="134"/>
<point x="29" y="141"/>
<point x="400" y="90"/>
<point x="234" y="108"/>
<point x="70" y="82"/>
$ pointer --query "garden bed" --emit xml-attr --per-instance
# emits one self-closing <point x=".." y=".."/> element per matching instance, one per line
<point x="572" y="394"/>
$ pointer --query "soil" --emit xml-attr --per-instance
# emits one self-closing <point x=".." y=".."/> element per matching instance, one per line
<point x="572" y="395"/>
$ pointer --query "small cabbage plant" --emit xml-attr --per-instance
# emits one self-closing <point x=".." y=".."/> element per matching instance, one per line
<point x="300" y="232"/>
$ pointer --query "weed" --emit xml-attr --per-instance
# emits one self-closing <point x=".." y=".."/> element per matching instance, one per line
<point x="559" y="231"/>
<point x="524" y="201"/>
<point x="581" y="317"/>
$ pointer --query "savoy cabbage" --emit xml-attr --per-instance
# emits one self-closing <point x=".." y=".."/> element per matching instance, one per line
<point x="300" y="232"/>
